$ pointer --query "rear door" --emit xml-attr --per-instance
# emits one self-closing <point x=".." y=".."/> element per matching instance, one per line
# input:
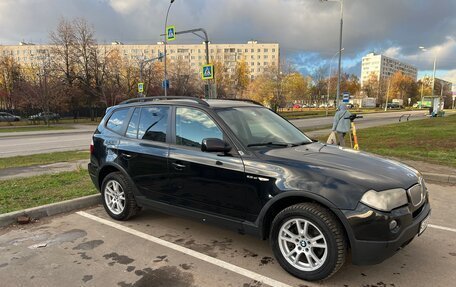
<point x="144" y="150"/>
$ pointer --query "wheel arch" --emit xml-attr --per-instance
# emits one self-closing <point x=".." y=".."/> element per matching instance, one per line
<point x="286" y="199"/>
<point x="109" y="168"/>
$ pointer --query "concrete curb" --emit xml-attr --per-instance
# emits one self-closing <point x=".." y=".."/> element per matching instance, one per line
<point x="443" y="178"/>
<point x="51" y="209"/>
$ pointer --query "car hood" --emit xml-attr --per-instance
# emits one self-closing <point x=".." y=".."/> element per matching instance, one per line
<point x="347" y="165"/>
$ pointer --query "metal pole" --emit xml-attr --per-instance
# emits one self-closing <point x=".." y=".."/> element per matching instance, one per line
<point x="209" y="86"/>
<point x="329" y="79"/>
<point x="387" y="92"/>
<point x="340" y="49"/>
<point x="433" y="74"/>
<point x="422" y="88"/>
<point x="166" y="72"/>
<point x="141" y="66"/>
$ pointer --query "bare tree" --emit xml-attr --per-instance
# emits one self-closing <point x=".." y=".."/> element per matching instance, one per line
<point x="86" y="58"/>
<point x="63" y="57"/>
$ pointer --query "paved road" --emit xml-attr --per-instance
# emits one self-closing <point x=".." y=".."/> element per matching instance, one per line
<point x="80" y="139"/>
<point x="154" y="249"/>
<point x="45" y="143"/>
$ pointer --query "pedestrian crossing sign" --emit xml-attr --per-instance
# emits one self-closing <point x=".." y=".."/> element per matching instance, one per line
<point x="140" y="87"/>
<point x="207" y="72"/>
<point x="170" y="33"/>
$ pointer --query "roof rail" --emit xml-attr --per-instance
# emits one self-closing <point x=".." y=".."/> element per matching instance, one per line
<point x="245" y="100"/>
<point x="147" y="99"/>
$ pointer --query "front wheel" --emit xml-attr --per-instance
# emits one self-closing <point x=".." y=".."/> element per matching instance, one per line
<point x="308" y="241"/>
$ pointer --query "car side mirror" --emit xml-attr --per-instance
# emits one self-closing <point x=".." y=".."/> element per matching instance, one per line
<point x="215" y="145"/>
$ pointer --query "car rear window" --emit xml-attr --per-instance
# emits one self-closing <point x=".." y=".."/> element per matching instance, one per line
<point x="117" y="120"/>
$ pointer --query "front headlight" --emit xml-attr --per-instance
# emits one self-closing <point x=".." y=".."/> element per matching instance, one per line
<point x="385" y="200"/>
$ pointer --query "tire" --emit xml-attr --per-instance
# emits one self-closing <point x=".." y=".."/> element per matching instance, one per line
<point x="304" y="251"/>
<point x="117" y="195"/>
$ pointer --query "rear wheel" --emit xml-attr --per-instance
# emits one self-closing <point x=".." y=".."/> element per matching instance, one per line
<point x="118" y="199"/>
<point x="308" y="241"/>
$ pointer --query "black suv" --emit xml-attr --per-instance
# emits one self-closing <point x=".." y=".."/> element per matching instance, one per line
<point x="239" y="164"/>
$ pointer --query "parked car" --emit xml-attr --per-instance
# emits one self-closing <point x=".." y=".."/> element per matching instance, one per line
<point x="393" y="106"/>
<point x="296" y="106"/>
<point x="7" y="117"/>
<point x="238" y="164"/>
<point x="45" y="116"/>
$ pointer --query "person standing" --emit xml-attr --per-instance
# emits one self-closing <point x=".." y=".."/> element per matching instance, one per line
<point x="341" y="124"/>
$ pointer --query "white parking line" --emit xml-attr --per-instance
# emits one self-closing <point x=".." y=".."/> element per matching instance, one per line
<point x="198" y="255"/>
<point x="442" y="227"/>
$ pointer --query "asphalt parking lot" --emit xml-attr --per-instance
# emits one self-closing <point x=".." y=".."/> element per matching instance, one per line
<point x="89" y="249"/>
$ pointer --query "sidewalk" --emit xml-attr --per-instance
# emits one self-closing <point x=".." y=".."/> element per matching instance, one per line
<point x="77" y="129"/>
<point x="34" y="170"/>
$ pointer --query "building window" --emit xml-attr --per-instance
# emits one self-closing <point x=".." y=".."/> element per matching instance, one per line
<point x="265" y="50"/>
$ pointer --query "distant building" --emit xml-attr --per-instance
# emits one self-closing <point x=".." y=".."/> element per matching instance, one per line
<point x="258" y="56"/>
<point x="384" y="67"/>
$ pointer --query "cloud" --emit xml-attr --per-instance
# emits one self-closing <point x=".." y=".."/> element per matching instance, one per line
<point x="396" y="27"/>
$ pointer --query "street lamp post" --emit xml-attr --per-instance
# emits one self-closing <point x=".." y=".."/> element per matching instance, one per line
<point x="329" y="78"/>
<point x="341" y="2"/>
<point x="433" y="73"/>
<point x="165" y="82"/>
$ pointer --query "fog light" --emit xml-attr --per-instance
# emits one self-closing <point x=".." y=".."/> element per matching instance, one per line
<point x="393" y="225"/>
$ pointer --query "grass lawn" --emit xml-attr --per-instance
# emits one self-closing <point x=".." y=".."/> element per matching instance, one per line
<point x="430" y="140"/>
<point x="34" y="128"/>
<point x="39" y="190"/>
<point x="44" y="158"/>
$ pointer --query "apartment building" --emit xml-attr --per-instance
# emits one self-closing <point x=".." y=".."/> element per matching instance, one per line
<point x="384" y="67"/>
<point x="258" y="56"/>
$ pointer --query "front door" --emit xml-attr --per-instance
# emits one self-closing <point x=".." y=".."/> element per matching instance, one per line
<point x="212" y="182"/>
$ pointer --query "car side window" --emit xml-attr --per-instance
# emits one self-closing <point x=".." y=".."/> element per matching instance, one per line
<point x="153" y="123"/>
<point x="132" y="130"/>
<point x="117" y="120"/>
<point x="193" y="125"/>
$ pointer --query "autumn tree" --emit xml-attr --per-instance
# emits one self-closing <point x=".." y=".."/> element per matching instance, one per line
<point x="296" y="87"/>
<point x="241" y="77"/>
<point x="371" y="87"/>
<point x="401" y="87"/>
<point x="10" y="77"/>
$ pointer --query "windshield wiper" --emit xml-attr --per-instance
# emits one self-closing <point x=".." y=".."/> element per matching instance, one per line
<point x="270" y="144"/>
<point x="302" y="143"/>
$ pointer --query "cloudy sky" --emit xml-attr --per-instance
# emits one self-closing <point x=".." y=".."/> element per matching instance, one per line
<point x="307" y="30"/>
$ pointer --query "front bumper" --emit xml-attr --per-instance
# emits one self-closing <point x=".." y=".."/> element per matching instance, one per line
<point x="373" y="241"/>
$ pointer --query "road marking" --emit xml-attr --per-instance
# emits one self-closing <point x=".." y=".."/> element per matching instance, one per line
<point x="198" y="255"/>
<point x="442" y="227"/>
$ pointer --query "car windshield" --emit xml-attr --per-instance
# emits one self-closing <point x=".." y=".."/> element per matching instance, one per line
<point x="256" y="126"/>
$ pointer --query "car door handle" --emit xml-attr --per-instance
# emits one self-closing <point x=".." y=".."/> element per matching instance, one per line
<point x="126" y="155"/>
<point x="178" y="166"/>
